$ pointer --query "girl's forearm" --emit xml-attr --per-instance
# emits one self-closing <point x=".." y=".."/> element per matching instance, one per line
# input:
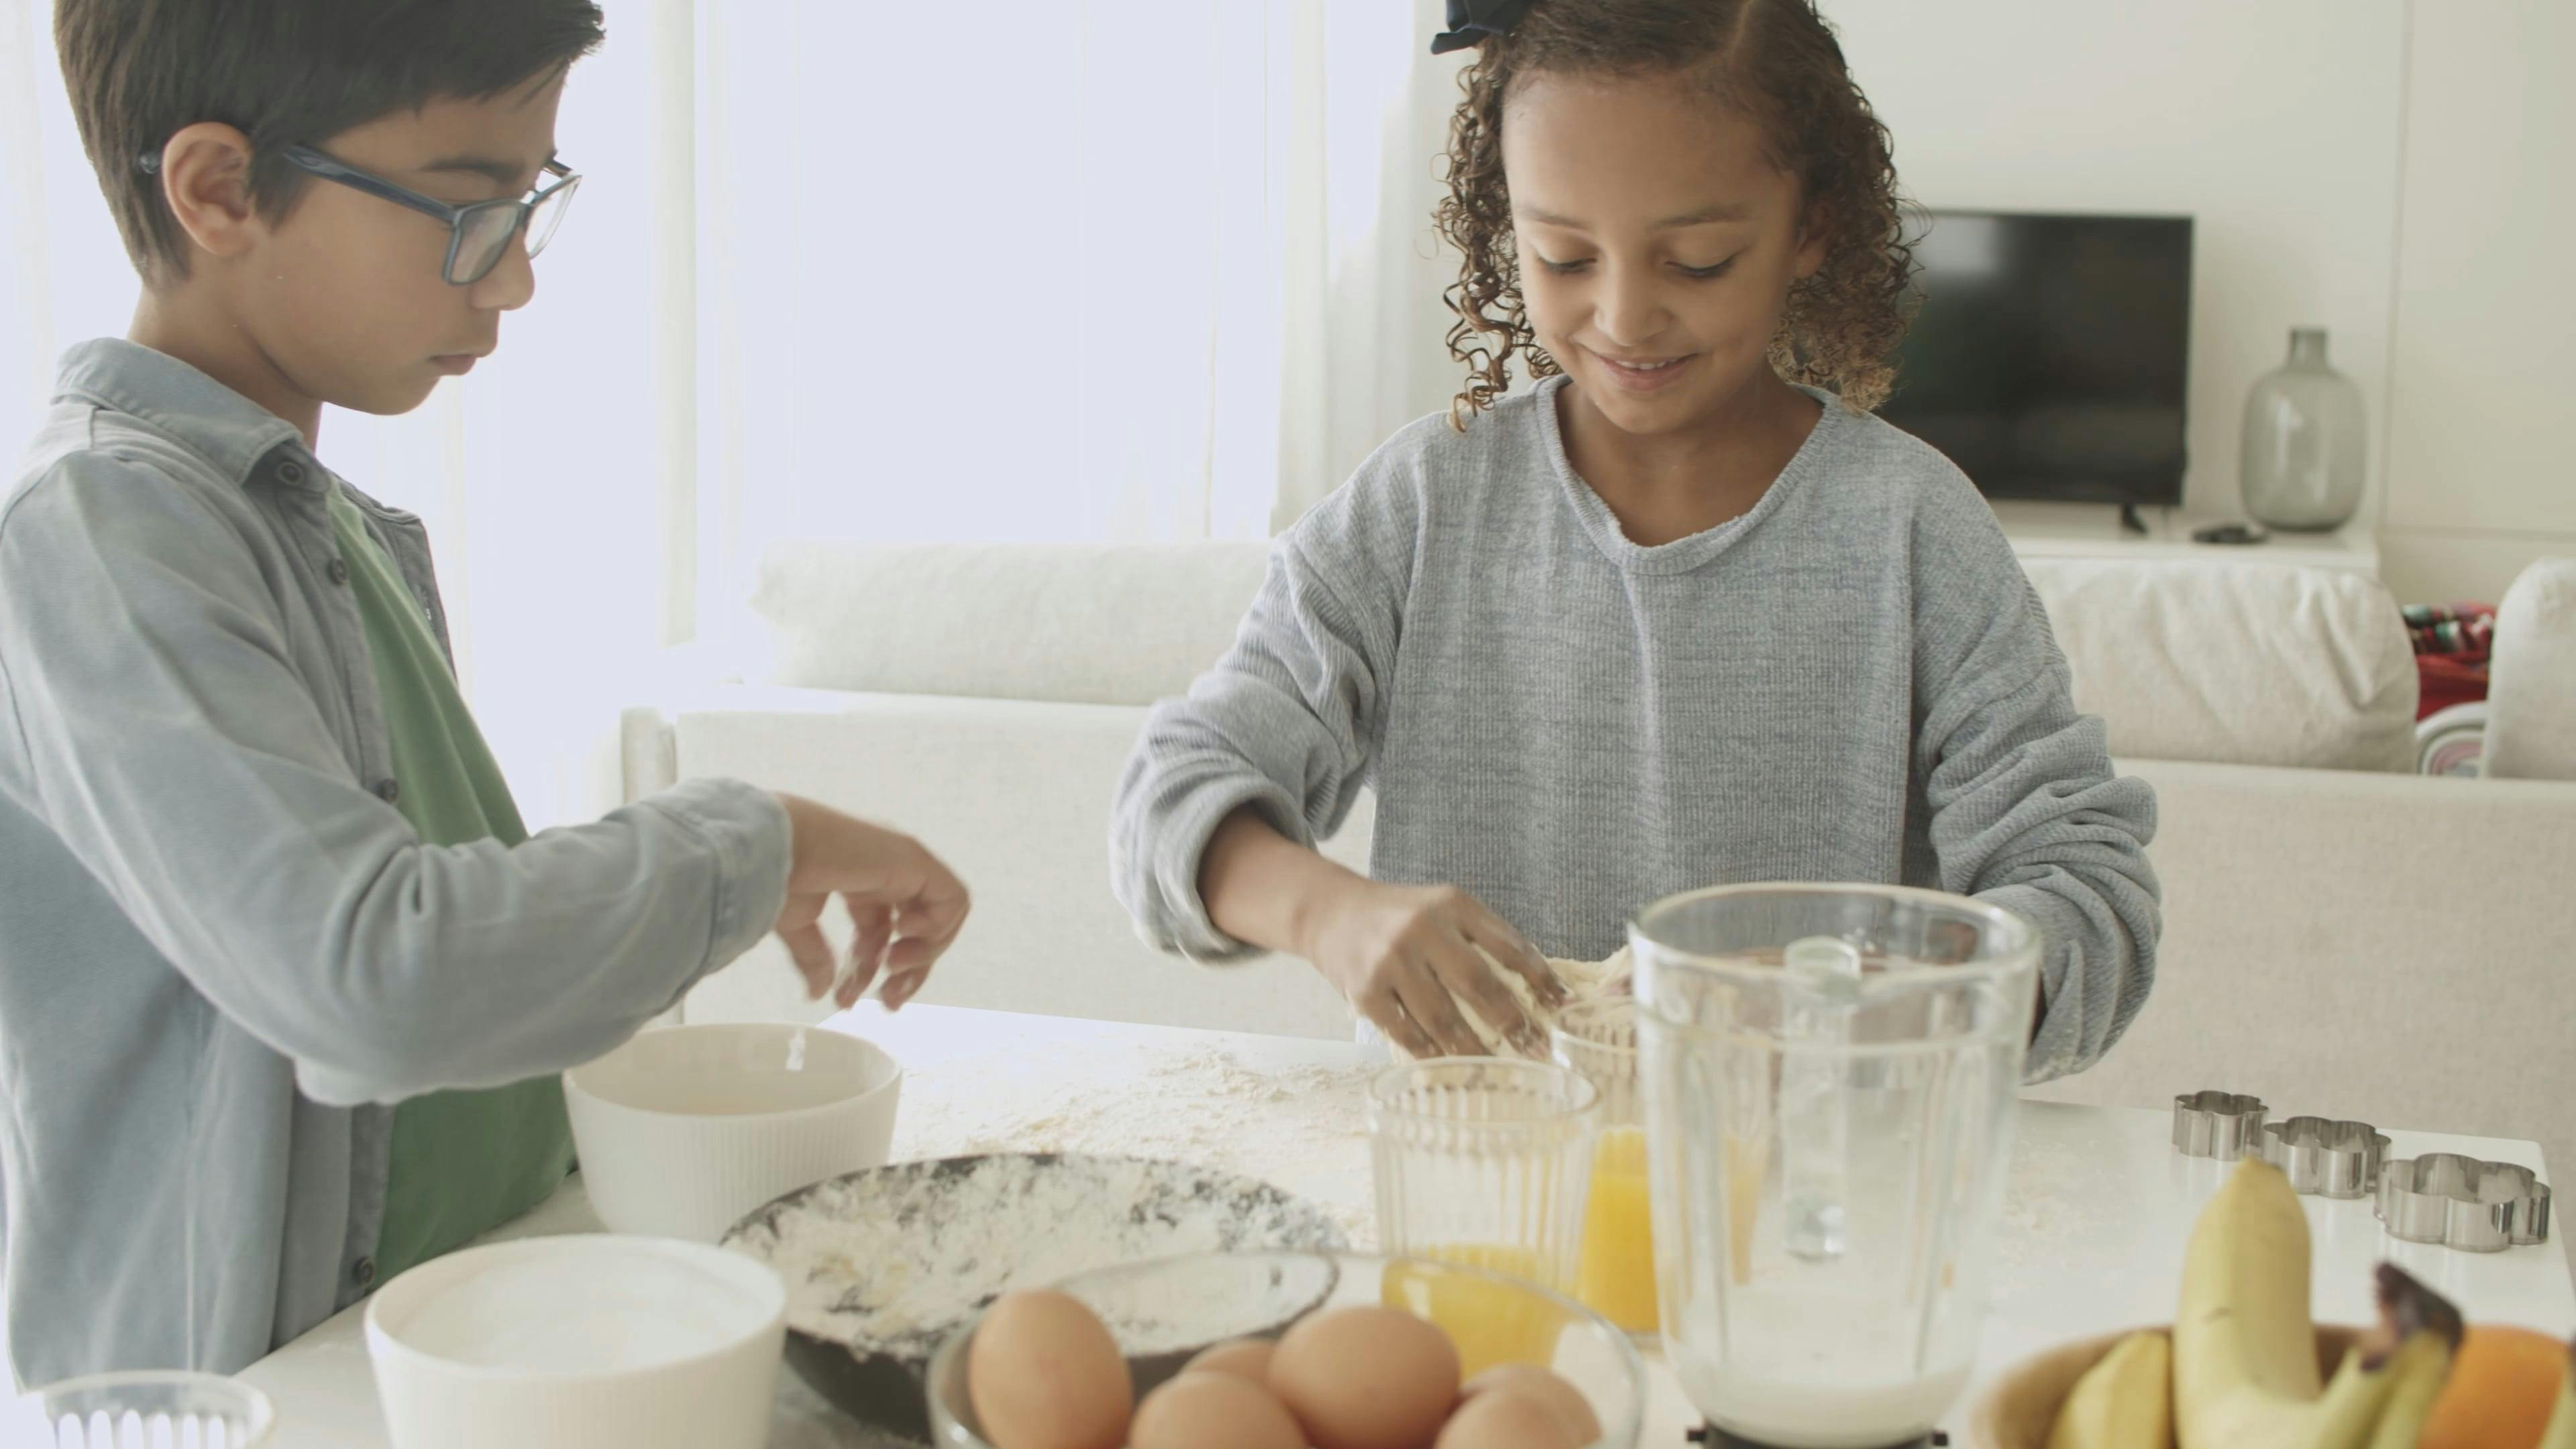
<point x="1265" y="889"/>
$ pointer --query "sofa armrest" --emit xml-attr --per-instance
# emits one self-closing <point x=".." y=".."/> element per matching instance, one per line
<point x="1015" y="795"/>
<point x="648" y="752"/>
<point x="645" y="743"/>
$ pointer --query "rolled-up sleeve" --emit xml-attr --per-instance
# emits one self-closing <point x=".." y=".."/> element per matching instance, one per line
<point x="1281" y="725"/>
<point x="1287" y="722"/>
<point x="168" y="737"/>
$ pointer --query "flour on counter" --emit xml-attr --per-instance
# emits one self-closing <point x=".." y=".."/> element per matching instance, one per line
<point x="1304" y="1129"/>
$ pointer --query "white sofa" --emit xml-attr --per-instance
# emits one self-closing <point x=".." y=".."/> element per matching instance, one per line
<point x="2341" y="936"/>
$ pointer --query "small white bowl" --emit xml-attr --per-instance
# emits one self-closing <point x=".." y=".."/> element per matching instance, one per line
<point x="124" y="1410"/>
<point x="586" y="1342"/>
<point x="686" y="1130"/>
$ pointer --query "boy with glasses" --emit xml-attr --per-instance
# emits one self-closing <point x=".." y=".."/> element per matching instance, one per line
<point x="284" y="983"/>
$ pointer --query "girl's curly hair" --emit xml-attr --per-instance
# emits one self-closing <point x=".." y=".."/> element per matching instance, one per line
<point x="1778" y="61"/>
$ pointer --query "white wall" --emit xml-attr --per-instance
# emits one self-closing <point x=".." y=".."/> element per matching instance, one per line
<point x="2481" y="476"/>
<point x="2394" y="170"/>
<point x="2277" y="125"/>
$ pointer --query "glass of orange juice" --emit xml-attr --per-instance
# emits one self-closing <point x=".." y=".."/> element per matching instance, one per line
<point x="1486" y="1162"/>
<point x="1615" y="1272"/>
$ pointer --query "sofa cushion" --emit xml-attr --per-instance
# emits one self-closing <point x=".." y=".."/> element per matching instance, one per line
<point x="1061" y="623"/>
<point x="2531" y="699"/>
<point x="2236" y="663"/>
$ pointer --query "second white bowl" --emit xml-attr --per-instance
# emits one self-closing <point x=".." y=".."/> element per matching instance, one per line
<point x="586" y="1342"/>
<point x="685" y="1130"/>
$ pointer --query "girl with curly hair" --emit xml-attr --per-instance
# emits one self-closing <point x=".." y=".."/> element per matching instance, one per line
<point x="1682" y="613"/>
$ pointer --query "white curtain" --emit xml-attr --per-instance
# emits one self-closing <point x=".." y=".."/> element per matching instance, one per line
<point x="1104" y="269"/>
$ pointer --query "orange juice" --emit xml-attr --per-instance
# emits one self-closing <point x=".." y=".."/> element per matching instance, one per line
<point x="1617" y="1275"/>
<point x="1490" y="1323"/>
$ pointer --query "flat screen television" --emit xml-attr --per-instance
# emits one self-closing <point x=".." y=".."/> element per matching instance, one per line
<point x="2049" y="356"/>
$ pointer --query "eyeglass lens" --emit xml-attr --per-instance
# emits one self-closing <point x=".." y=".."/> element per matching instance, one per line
<point x="485" y="234"/>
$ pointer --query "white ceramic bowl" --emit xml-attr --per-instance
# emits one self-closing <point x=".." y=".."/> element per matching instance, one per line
<point x="586" y="1342"/>
<point x="686" y="1130"/>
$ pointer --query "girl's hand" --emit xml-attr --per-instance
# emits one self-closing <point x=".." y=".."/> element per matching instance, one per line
<point x="1406" y="955"/>
<point x="905" y="905"/>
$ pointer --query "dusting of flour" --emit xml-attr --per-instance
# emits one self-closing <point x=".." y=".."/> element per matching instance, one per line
<point x="1304" y="1128"/>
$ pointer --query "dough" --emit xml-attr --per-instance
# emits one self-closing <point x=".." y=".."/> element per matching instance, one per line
<point x="1584" y="981"/>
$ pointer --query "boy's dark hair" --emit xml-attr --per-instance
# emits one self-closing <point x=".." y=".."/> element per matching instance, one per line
<point x="284" y="72"/>
<point x="1777" y="61"/>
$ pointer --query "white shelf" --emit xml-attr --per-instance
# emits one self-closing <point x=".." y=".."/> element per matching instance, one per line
<point x="2092" y="530"/>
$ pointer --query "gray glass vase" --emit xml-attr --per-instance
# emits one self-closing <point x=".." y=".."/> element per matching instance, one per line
<point x="2304" y="445"/>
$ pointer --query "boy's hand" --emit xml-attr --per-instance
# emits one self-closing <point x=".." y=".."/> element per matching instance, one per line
<point x="905" y="905"/>
<point x="1405" y="956"/>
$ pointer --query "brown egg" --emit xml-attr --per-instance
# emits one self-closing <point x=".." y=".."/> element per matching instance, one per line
<point x="1531" y="1381"/>
<point x="1043" y="1373"/>
<point x="1366" y="1378"/>
<point x="1203" y="1409"/>
<point x="1243" y="1357"/>
<point x="1508" y="1418"/>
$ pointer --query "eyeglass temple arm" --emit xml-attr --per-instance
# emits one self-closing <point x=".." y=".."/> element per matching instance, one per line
<point x="314" y="161"/>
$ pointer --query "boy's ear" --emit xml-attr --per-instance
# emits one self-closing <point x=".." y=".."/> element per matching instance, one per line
<point x="205" y="181"/>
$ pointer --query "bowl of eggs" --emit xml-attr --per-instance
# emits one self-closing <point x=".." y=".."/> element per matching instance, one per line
<point x="1287" y="1350"/>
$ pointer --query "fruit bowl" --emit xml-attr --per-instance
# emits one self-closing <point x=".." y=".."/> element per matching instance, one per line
<point x="1161" y="1313"/>
<point x="2020" y="1407"/>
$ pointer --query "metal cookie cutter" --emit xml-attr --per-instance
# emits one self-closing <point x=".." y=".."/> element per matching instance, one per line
<point x="2325" y="1158"/>
<point x="2478" y="1207"/>
<point x="2223" y="1125"/>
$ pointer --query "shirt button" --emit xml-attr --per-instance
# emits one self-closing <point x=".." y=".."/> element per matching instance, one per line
<point x="290" y="471"/>
<point x="365" y="1272"/>
<point x="338" y="570"/>
<point x="389" y="789"/>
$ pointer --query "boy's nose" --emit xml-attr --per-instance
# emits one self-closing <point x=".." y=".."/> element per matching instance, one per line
<point x="510" y="283"/>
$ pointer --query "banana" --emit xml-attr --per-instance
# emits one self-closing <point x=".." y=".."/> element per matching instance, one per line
<point x="2245" y="1360"/>
<point x="2243" y="1346"/>
<point x="2421" y="1366"/>
<point x="2123" y="1402"/>
<point x="2561" y="1433"/>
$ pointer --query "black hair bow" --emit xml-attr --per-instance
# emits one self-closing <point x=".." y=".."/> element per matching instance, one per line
<point x="1470" y="21"/>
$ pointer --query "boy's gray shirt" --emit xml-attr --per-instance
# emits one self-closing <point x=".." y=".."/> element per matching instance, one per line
<point x="222" y="951"/>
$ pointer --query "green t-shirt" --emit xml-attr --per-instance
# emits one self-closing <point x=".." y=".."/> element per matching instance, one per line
<point x="463" y="1162"/>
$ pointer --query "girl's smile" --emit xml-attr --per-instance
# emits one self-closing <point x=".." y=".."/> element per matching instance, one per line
<point x="1643" y="374"/>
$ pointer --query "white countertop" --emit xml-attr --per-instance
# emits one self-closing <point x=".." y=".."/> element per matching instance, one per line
<point x="2092" y="1238"/>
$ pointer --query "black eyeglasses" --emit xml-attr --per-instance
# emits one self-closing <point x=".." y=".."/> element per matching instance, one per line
<point x="477" y="235"/>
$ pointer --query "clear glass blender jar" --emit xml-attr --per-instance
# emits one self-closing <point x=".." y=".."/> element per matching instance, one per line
<point x="1829" y="1075"/>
